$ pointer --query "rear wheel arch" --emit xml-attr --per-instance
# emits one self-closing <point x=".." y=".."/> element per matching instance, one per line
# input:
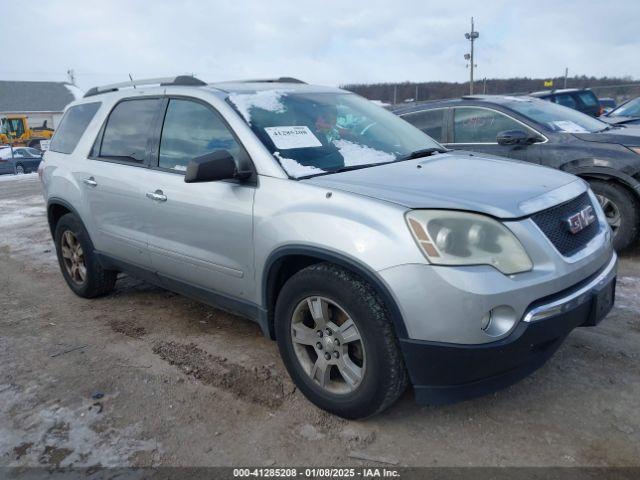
<point x="285" y="262"/>
<point x="56" y="209"/>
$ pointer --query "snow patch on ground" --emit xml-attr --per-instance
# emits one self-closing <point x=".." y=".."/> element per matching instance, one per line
<point x="266" y="100"/>
<point x="33" y="433"/>
<point x="24" y="230"/>
<point x="18" y="178"/>
<point x="355" y="154"/>
<point x="295" y="169"/>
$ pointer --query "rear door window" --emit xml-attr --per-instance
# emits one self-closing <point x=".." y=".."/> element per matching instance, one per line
<point x="588" y="98"/>
<point x="481" y="125"/>
<point x="72" y="126"/>
<point x="431" y="122"/>
<point x="127" y="130"/>
<point x="565" y="99"/>
<point x="191" y="130"/>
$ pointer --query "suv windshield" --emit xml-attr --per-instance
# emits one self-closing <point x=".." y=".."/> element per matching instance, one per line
<point x="629" y="109"/>
<point x="316" y="133"/>
<point x="556" y="117"/>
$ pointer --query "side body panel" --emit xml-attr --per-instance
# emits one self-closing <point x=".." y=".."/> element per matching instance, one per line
<point x="202" y="233"/>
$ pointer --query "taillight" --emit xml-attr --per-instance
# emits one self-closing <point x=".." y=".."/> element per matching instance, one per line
<point x="600" y="110"/>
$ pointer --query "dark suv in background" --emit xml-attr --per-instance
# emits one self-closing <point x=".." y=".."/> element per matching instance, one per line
<point x="583" y="100"/>
<point x="537" y="131"/>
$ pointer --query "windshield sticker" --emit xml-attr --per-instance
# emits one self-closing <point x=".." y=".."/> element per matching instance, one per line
<point x="569" y="127"/>
<point x="285" y="138"/>
<point x="266" y="100"/>
<point x="295" y="169"/>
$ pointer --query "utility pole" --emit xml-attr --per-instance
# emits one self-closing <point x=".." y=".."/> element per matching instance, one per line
<point x="471" y="36"/>
<point x="395" y="94"/>
<point x="484" y="86"/>
<point x="416" y="95"/>
<point x="566" y="74"/>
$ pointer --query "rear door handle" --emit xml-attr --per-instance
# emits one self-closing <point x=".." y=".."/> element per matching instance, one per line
<point x="157" y="196"/>
<point x="91" y="182"/>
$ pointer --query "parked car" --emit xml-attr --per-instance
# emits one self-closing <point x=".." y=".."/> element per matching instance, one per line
<point x="607" y="104"/>
<point x="583" y="100"/>
<point x="356" y="241"/>
<point x="537" y="131"/>
<point x="19" y="160"/>
<point x="626" y="114"/>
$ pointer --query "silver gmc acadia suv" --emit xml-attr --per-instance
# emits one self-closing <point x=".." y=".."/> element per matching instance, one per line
<point x="373" y="255"/>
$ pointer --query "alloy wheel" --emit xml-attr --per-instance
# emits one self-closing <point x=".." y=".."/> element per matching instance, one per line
<point x="19" y="170"/>
<point x="328" y="345"/>
<point x="611" y="211"/>
<point x="73" y="257"/>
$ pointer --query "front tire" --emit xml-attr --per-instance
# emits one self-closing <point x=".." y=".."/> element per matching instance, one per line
<point x="78" y="262"/>
<point x="621" y="210"/>
<point x="19" y="169"/>
<point x="337" y="342"/>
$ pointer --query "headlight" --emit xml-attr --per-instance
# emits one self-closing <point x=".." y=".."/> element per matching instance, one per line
<point x="459" y="238"/>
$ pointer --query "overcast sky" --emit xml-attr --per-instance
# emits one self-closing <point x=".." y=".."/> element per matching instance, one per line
<point x="328" y="42"/>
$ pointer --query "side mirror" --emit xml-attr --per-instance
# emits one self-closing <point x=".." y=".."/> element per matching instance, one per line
<point x="516" y="137"/>
<point x="218" y="165"/>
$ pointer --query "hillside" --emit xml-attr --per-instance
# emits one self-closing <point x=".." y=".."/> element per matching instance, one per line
<point x="619" y="88"/>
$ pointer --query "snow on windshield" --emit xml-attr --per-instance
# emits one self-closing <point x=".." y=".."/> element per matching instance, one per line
<point x="266" y="100"/>
<point x="295" y="169"/>
<point x="356" y="154"/>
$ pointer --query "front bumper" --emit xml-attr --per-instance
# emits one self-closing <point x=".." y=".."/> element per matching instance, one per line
<point x="446" y="372"/>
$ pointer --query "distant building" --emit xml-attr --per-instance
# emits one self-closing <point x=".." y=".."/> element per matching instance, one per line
<point x="39" y="101"/>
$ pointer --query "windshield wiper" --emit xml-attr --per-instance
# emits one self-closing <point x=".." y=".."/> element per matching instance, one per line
<point x="424" y="152"/>
<point x="357" y="167"/>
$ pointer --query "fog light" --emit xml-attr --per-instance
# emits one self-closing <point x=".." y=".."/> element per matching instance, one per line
<point x="498" y="320"/>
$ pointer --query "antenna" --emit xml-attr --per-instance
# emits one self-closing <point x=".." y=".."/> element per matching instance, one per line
<point x="71" y="75"/>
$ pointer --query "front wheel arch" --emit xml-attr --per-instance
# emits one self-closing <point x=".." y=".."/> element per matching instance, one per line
<point x="587" y="170"/>
<point x="293" y="258"/>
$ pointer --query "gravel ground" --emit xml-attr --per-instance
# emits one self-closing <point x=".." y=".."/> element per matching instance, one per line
<point x="144" y="377"/>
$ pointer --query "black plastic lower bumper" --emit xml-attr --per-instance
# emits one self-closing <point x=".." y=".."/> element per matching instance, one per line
<point x="446" y="373"/>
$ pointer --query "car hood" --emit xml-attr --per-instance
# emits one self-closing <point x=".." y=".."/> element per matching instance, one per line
<point x="623" y="136"/>
<point x="614" y="120"/>
<point x="460" y="181"/>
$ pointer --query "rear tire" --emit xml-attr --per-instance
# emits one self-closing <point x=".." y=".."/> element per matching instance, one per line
<point x="621" y="210"/>
<point x="78" y="262"/>
<point x="374" y="372"/>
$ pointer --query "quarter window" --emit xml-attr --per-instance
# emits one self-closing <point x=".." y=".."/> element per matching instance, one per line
<point x="191" y="130"/>
<point x="430" y="122"/>
<point x="127" y="131"/>
<point x="72" y="126"/>
<point x="481" y="125"/>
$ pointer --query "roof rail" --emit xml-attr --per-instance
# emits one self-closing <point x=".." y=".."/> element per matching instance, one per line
<point x="114" y="87"/>
<point x="275" y="80"/>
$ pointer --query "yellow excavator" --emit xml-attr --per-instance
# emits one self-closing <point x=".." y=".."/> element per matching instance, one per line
<point x="14" y="130"/>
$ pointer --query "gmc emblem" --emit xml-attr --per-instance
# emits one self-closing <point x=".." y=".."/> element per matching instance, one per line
<point x="581" y="220"/>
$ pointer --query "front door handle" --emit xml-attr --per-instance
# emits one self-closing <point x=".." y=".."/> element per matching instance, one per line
<point x="158" y="196"/>
<point x="91" y="182"/>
